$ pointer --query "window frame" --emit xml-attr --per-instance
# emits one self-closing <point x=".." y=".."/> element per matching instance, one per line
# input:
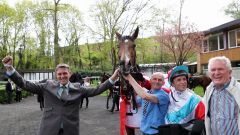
<point x="235" y="35"/>
<point x="218" y="43"/>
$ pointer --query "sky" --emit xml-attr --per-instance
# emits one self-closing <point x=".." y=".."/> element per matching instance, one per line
<point x="205" y="14"/>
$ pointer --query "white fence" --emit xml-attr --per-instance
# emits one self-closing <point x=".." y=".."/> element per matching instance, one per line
<point x="35" y="76"/>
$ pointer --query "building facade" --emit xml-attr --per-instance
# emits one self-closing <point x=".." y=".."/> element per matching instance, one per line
<point x="223" y="40"/>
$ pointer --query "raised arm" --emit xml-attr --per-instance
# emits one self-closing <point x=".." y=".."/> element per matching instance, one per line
<point x="140" y="91"/>
<point x="18" y="79"/>
<point x="89" y="92"/>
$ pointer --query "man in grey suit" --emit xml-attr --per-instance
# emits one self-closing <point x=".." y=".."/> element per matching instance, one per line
<point x="61" y="98"/>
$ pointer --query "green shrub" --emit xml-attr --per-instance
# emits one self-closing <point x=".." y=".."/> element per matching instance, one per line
<point x="3" y="94"/>
<point x="105" y="93"/>
<point x="3" y="97"/>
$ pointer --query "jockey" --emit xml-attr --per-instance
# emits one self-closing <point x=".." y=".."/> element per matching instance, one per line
<point x="184" y="105"/>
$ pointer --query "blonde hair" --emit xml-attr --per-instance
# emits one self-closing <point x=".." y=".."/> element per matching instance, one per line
<point x="62" y="65"/>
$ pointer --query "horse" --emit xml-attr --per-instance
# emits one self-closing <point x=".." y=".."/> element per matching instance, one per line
<point x="127" y="63"/>
<point x="201" y="80"/>
<point x="76" y="77"/>
<point x="103" y="78"/>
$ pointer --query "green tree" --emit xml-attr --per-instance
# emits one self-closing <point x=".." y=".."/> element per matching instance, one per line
<point x="111" y="16"/>
<point x="71" y="26"/>
<point x="233" y="9"/>
<point x="6" y="17"/>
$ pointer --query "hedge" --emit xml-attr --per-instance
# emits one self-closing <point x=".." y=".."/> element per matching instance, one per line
<point x="3" y="94"/>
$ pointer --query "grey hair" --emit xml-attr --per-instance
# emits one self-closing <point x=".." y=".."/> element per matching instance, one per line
<point x="62" y="65"/>
<point x="158" y="73"/>
<point x="222" y="59"/>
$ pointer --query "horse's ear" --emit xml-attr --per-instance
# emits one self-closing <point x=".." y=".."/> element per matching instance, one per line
<point x="135" y="34"/>
<point x="119" y="36"/>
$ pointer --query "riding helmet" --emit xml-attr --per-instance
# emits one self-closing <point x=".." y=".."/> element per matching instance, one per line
<point x="176" y="72"/>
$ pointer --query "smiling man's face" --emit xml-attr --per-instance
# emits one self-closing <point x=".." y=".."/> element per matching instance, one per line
<point x="63" y="75"/>
<point x="219" y="73"/>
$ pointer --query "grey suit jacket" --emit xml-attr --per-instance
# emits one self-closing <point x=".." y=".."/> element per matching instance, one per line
<point x="57" y="111"/>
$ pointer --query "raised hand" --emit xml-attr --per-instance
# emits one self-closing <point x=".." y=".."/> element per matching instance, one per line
<point x="7" y="61"/>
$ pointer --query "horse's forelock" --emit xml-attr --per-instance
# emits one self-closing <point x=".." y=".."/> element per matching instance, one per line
<point x="127" y="38"/>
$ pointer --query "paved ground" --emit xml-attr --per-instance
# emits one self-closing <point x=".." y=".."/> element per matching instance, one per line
<point x="24" y="118"/>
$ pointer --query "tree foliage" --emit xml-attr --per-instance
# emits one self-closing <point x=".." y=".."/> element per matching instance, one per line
<point x="181" y="43"/>
<point x="41" y="34"/>
<point x="233" y="9"/>
<point x="116" y="15"/>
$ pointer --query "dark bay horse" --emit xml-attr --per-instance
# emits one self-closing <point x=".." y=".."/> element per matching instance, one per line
<point x="127" y="63"/>
<point x="76" y="77"/>
<point x="201" y="80"/>
<point x="103" y="78"/>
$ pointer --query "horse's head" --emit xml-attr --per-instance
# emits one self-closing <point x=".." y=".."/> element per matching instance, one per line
<point x="127" y="52"/>
<point x="76" y="77"/>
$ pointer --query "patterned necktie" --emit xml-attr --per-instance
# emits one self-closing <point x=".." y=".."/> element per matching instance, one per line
<point x="146" y="103"/>
<point x="64" y="93"/>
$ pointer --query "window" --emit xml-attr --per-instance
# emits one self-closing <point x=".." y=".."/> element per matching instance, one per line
<point x="236" y="64"/>
<point x="205" y="66"/>
<point x="213" y="43"/>
<point x="234" y="38"/>
<point x="221" y="44"/>
<point x="238" y="38"/>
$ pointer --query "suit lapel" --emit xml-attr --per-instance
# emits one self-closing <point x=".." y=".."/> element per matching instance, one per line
<point x="54" y="88"/>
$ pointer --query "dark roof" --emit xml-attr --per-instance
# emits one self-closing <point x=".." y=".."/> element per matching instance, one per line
<point x="224" y="27"/>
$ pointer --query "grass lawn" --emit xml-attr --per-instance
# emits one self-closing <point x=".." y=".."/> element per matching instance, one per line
<point x="95" y="84"/>
<point x="105" y="93"/>
<point x="2" y="87"/>
<point x="199" y="91"/>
